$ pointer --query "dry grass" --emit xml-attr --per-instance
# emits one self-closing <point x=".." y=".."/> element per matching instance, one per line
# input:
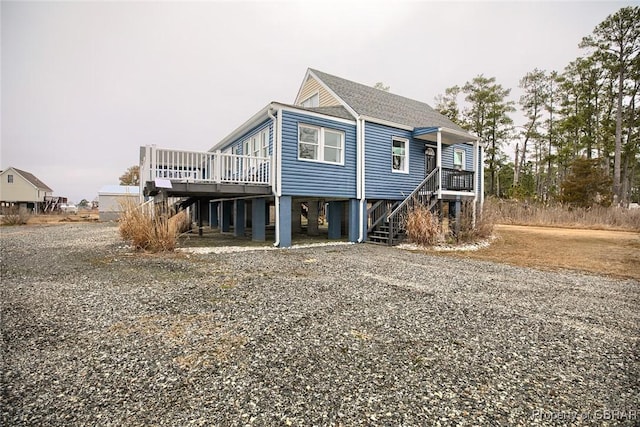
<point x="15" y="216"/>
<point x="596" y="217"/>
<point x="152" y="230"/>
<point x="610" y="252"/>
<point x="423" y="227"/>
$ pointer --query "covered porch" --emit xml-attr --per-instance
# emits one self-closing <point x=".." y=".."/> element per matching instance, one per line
<point x="454" y="181"/>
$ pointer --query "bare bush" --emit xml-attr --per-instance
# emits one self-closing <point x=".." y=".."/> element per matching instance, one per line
<point x="151" y="229"/>
<point x="423" y="226"/>
<point x="483" y="227"/>
<point x="597" y="217"/>
<point x="15" y="216"/>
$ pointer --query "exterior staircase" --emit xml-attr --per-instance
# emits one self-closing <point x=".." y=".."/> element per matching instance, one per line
<point x="388" y="219"/>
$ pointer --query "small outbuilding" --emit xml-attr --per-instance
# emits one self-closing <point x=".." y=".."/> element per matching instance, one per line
<point x="111" y="198"/>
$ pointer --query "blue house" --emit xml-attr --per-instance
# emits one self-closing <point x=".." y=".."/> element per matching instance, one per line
<point x="359" y="156"/>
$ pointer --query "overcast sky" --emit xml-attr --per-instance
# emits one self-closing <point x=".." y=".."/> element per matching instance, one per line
<point x="85" y="84"/>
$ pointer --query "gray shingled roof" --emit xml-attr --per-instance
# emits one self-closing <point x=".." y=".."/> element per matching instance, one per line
<point x="33" y="180"/>
<point x="368" y="101"/>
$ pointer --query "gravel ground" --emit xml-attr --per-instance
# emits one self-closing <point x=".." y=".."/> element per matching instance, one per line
<point x="93" y="334"/>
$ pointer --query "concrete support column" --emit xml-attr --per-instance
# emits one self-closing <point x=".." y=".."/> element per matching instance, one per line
<point x="296" y="220"/>
<point x="365" y="220"/>
<point x="213" y="214"/>
<point x="248" y="208"/>
<point x="203" y="214"/>
<point x="238" y="218"/>
<point x="354" y="220"/>
<point x="335" y="219"/>
<point x="258" y="225"/>
<point x="344" y="223"/>
<point x="312" y="218"/>
<point x="227" y="211"/>
<point x="458" y="208"/>
<point x="284" y="222"/>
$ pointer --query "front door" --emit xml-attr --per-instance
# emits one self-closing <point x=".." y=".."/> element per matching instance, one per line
<point x="429" y="160"/>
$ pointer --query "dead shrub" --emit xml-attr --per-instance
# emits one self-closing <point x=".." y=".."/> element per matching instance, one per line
<point x="15" y="216"/>
<point x="423" y="226"/>
<point x="484" y="224"/>
<point x="151" y="228"/>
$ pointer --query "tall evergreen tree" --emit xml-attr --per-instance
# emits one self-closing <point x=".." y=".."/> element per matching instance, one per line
<point x="532" y="103"/>
<point x="447" y="104"/>
<point x="487" y="115"/>
<point x="616" y="41"/>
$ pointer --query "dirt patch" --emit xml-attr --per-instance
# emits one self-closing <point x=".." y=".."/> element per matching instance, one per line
<point x="615" y="253"/>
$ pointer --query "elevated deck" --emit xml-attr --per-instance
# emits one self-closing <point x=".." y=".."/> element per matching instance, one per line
<point x="178" y="173"/>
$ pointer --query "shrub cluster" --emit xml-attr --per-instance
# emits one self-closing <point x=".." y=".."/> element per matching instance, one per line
<point x="483" y="229"/>
<point x="423" y="226"/>
<point x="15" y="216"/>
<point x="152" y="229"/>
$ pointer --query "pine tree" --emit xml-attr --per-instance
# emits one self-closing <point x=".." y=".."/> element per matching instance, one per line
<point x="586" y="184"/>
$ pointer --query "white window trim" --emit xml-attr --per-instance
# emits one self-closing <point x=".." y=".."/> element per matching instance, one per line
<point x="261" y="139"/>
<point x="246" y="146"/>
<point x="406" y="155"/>
<point x="463" y="158"/>
<point x="264" y="143"/>
<point x="321" y="145"/>
<point x="317" y="94"/>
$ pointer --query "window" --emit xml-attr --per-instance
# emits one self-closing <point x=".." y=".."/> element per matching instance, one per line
<point x="246" y="144"/>
<point x="320" y="144"/>
<point x="458" y="158"/>
<point x="308" y="142"/>
<point x="10" y="179"/>
<point x="332" y="146"/>
<point x="257" y="145"/>
<point x="400" y="155"/>
<point x="264" y="139"/>
<point x="312" y="101"/>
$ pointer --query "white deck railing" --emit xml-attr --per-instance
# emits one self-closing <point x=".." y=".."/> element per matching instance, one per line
<point x="203" y="167"/>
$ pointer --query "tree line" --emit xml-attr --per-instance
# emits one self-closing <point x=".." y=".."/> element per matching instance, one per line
<point x="580" y="141"/>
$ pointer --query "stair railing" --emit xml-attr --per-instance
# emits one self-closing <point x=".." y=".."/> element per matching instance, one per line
<point x="379" y="212"/>
<point x="421" y="195"/>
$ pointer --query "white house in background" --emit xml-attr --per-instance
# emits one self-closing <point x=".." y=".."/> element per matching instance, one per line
<point x="23" y="189"/>
<point x="111" y="199"/>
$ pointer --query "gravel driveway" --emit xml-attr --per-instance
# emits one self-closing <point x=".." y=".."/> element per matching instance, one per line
<point x="93" y="334"/>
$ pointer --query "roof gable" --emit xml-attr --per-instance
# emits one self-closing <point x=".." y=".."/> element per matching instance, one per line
<point x="382" y="105"/>
<point x="31" y="178"/>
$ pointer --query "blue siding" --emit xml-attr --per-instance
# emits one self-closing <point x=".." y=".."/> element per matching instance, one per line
<point x="255" y="130"/>
<point x="304" y="178"/>
<point x="381" y="182"/>
<point x="447" y="155"/>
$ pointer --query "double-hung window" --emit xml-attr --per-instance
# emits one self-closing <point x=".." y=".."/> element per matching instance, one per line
<point x="458" y="159"/>
<point x="320" y="144"/>
<point x="10" y="179"/>
<point x="264" y="143"/>
<point x="400" y="155"/>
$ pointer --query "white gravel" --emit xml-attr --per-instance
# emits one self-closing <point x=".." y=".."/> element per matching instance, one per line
<point x="94" y="334"/>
